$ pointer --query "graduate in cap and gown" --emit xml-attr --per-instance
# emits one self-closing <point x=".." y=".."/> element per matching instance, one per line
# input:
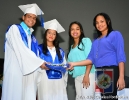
<point x="52" y="85"/>
<point x="21" y="57"/>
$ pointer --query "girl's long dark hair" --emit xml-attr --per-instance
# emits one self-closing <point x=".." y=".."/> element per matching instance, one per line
<point x="71" y="40"/>
<point x="55" y="43"/>
<point x="108" y="22"/>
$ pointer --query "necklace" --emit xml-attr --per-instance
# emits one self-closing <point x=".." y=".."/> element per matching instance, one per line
<point x="97" y="51"/>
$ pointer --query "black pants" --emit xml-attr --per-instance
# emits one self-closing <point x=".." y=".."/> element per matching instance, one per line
<point x="113" y="95"/>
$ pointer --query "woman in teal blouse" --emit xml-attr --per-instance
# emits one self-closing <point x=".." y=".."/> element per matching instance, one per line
<point x="79" y="48"/>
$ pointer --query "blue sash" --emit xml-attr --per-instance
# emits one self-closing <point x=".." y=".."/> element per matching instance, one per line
<point x="54" y="72"/>
<point x="34" y="43"/>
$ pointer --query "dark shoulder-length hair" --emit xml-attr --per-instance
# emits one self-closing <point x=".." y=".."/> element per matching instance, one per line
<point x="71" y="39"/>
<point x="55" y="43"/>
<point x="108" y="22"/>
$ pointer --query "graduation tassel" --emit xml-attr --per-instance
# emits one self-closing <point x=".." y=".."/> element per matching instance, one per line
<point x="42" y="20"/>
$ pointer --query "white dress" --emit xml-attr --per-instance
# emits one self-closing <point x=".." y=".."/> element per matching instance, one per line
<point x="19" y="61"/>
<point x="52" y="89"/>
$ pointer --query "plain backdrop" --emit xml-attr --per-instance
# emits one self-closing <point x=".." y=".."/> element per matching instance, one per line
<point x="66" y="11"/>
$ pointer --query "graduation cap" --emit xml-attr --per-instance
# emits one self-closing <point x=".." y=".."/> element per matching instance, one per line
<point x="33" y="9"/>
<point x="54" y="25"/>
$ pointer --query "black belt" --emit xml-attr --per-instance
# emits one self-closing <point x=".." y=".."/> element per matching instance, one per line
<point x="108" y="66"/>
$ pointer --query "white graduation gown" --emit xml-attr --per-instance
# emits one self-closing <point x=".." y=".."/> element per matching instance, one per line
<point x="52" y="89"/>
<point x="19" y="61"/>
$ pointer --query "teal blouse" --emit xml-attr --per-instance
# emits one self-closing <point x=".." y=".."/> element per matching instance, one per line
<point x="76" y="54"/>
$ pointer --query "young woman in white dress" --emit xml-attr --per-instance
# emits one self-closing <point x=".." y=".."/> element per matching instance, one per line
<point x="52" y="83"/>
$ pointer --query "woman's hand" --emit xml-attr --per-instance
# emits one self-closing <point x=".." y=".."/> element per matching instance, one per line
<point x="121" y="83"/>
<point x="86" y="81"/>
<point x="71" y="66"/>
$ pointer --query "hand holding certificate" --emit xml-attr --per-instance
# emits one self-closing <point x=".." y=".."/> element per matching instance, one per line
<point x="58" y="67"/>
